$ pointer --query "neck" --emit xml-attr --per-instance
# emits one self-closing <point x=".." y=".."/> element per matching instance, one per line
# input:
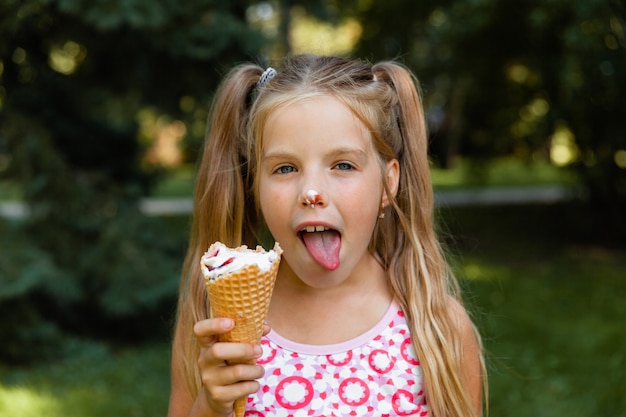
<point x="329" y="315"/>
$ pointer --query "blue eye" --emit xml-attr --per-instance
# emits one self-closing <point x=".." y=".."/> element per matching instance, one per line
<point x="344" y="166"/>
<point x="285" y="169"/>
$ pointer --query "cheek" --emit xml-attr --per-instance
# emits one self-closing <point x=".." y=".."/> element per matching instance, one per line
<point x="271" y="198"/>
<point x="262" y="197"/>
<point x="362" y="197"/>
<point x="360" y="208"/>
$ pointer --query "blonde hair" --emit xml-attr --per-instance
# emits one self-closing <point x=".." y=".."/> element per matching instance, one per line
<point x="386" y="98"/>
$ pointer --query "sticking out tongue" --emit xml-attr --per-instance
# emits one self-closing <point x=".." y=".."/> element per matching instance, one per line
<point x="324" y="247"/>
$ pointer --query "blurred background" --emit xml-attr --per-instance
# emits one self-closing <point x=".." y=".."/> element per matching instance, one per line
<point x="103" y="107"/>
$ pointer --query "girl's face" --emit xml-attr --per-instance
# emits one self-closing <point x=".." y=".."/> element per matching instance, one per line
<point x="321" y="189"/>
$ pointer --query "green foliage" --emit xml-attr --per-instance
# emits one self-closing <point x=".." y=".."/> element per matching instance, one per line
<point x="74" y="77"/>
<point x="132" y="266"/>
<point x="126" y="276"/>
<point x="501" y="77"/>
<point x="24" y="268"/>
<point x="121" y="285"/>
<point x="26" y="271"/>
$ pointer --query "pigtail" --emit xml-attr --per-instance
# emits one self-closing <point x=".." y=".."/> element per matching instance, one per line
<point x="419" y="275"/>
<point x="223" y="206"/>
<point x="224" y="172"/>
<point x="409" y="138"/>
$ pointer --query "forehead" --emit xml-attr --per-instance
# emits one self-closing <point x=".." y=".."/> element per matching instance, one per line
<point x="316" y="119"/>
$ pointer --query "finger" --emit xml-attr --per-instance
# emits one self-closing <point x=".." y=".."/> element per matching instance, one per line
<point x="232" y="352"/>
<point x="266" y="328"/>
<point x="233" y="374"/>
<point x="222" y="398"/>
<point x="224" y="384"/>
<point x="206" y="330"/>
<point x="229" y="382"/>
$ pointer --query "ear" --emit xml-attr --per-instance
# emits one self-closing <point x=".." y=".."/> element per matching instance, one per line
<point x="392" y="178"/>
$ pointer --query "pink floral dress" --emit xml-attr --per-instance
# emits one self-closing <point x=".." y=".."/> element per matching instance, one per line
<point x="375" y="374"/>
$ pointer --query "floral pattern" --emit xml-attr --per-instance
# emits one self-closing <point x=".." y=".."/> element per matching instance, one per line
<point x="377" y="374"/>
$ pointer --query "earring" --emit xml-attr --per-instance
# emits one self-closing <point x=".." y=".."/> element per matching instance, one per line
<point x="381" y="215"/>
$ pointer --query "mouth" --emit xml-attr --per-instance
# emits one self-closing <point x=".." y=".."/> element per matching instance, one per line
<point x="323" y="244"/>
<point x="312" y="229"/>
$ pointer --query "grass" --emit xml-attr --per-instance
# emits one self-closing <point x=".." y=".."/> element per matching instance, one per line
<point x="501" y="172"/>
<point x="96" y="382"/>
<point x="550" y="307"/>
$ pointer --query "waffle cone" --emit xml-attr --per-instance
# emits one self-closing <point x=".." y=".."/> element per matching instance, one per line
<point x="244" y="296"/>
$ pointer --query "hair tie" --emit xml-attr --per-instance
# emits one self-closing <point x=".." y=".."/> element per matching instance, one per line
<point x="267" y="75"/>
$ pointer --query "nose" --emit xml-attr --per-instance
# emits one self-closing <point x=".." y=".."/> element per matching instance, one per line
<point x="312" y="198"/>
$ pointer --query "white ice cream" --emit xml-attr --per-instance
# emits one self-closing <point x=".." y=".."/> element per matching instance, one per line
<point x="221" y="260"/>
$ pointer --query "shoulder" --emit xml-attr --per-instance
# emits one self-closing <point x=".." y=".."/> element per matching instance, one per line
<point x="460" y="316"/>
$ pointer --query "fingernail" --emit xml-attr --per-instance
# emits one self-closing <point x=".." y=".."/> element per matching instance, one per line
<point x="227" y="323"/>
<point x="258" y="350"/>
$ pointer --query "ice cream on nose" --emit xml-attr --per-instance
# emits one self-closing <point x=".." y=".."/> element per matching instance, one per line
<point x="312" y="198"/>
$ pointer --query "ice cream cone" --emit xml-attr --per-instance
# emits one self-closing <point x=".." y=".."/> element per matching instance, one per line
<point x="243" y="295"/>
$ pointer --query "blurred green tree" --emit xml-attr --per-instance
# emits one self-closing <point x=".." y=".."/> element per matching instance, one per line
<point x="75" y="76"/>
<point x="527" y="78"/>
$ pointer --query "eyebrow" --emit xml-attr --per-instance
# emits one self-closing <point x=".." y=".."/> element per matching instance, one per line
<point x="358" y="153"/>
<point x="276" y="155"/>
<point x="336" y="152"/>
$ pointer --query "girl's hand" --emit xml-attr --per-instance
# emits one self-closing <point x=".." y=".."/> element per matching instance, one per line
<point x="224" y="383"/>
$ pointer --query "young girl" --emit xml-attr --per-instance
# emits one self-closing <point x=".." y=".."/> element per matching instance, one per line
<point x="327" y="156"/>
